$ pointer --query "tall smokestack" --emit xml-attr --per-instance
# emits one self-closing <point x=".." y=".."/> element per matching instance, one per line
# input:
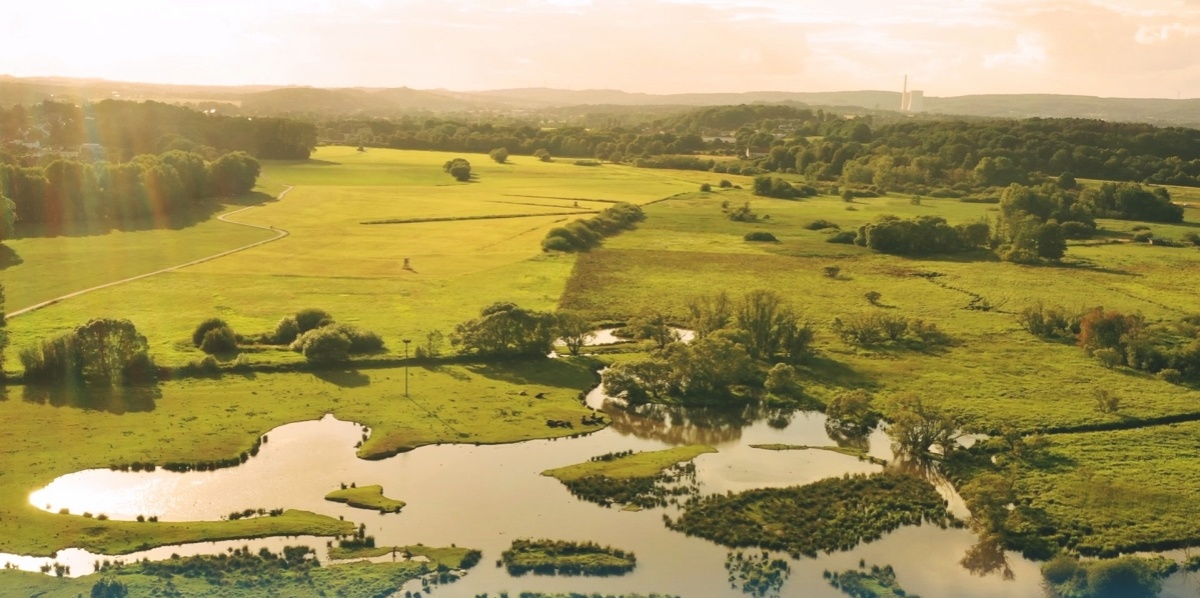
<point x="904" y="96"/>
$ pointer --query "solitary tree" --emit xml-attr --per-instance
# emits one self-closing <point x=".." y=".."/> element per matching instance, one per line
<point x="500" y="155"/>
<point x="574" y="330"/>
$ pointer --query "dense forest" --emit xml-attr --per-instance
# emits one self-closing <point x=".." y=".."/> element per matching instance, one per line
<point x="127" y="129"/>
<point x="918" y="155"/>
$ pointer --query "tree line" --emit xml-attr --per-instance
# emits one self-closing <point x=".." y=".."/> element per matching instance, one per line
<point x="171" y="184"/>
<point x="127" y="129"/>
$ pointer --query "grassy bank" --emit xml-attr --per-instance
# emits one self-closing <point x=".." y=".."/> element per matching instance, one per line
<point x="240" y="574"/>
<point x="366" y="497"/>
<point x="550" y="557"/>
<point x="205" y="420"/>
<point x="635" y="465"/>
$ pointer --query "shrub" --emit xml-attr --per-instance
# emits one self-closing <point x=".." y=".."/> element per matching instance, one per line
<point x="542" y="154"/>
<point x="361" y="341"/>
<point x="760" y="235"/>
<point x="500" y="155"/>
<point x="325" y="345"/>
<point x="1143" y="237"/>
<point x="782" y="381"/>
<point x="725" y="184"/>
<point x="1138" y="227"/>
<point x="1170" y="375"/>
<point x="705" y="187"/>
<point x="831" y="271"/>
<point x="219" y="340"/>
<point x="1060" y="569"/>
<point x="556" y="243"/>
<point x="820" y="225"/>
<point x="204" y="327"/>
<point x="458" y="168"/>
<point x="311" y="318"/>
<point x="1192" y="237"/>
<point x="1077" y="230"/>
<point x="1110" y="358"/>
<point x="873" y="297"/>
<point x="742" y="213"/>
<point x="846" y="236"/>
<point x="587" y="163"/>
<point x="1106" y="400"/>
<point x="286" y="331"/>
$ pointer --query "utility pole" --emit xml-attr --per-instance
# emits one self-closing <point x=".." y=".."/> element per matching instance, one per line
<point x="406" y="341"/>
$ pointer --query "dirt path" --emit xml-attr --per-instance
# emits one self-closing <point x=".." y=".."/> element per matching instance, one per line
<point x="279" y="234"/>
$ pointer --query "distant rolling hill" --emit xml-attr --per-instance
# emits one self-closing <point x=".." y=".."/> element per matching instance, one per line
<point x="277" y="100"/>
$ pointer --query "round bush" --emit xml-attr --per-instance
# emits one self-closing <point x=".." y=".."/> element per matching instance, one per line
<point x="361" y="341"/>
<point x="705" y="187"/>
<point x="325" y="345"/>
<point x="845" y="236"/>
<point x="219" y="340"/>
<point x="286" y="331"/>
<point x="760" y="235"/>
<point x="204" y="327"/>
<point x="311" y="318"/>
<point x="556" y="243"/>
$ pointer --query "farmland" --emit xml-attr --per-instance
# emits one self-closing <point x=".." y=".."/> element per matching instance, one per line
<point x="1106" y="479"/>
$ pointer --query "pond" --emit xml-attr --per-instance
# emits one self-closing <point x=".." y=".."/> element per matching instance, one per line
<point x="486" y="496"/>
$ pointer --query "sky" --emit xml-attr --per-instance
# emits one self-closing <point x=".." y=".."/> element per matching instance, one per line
<point x="1115" y="48"/>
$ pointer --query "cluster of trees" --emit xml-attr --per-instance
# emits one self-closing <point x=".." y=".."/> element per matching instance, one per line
<point x="796" y="519"/>
<point x="1034" y="222"/>
<point x="127" y="129"/>
<point x="506" y="330"/>
<point x="310" y="331"/>
<point x="946" y="157"/>
<point x="171" y="184"/>
<point x="922" y="235"/>
<point x="736" y="344"/>
<point x="768" y="186"/>
<point x="458" y="168"/>
<point x="874" y="328"/>
<point x="582" y="235"/>
<point x="1170" y="351"/>
<point x="102" y="352"/>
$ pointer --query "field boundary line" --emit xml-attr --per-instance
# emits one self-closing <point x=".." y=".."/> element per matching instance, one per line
<point x="481" y="217"/>
<point x="279" y="234"/>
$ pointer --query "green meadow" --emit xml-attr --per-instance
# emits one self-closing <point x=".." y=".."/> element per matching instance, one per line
<point x="330" y="260"/>
<point x="993" y="371"/>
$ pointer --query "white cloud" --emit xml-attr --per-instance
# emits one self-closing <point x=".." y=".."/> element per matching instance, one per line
<point x="1030" y="51"/>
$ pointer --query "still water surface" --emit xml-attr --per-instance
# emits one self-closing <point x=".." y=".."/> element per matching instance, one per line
<point x="486" y="496"/>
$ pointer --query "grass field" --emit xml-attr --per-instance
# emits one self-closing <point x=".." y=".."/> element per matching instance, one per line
<point x="994" y="371"/>
<point x="332" y="261"/>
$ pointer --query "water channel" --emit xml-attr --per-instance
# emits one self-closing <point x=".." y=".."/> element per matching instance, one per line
<point x="486" y="496"/>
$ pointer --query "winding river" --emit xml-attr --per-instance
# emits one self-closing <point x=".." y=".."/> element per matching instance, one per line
<point x="486" y="496"/>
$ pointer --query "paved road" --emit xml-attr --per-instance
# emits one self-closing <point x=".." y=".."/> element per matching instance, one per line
<point x="279" y="234"/>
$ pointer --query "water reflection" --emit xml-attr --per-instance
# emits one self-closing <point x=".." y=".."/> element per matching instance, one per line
<point x="485" y="496"/>
<point x="111" y="399"/>
<point x="987" y="557"/>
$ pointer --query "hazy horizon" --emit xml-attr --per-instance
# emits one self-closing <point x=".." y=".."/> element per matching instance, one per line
<point x="1107" y="48"/>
